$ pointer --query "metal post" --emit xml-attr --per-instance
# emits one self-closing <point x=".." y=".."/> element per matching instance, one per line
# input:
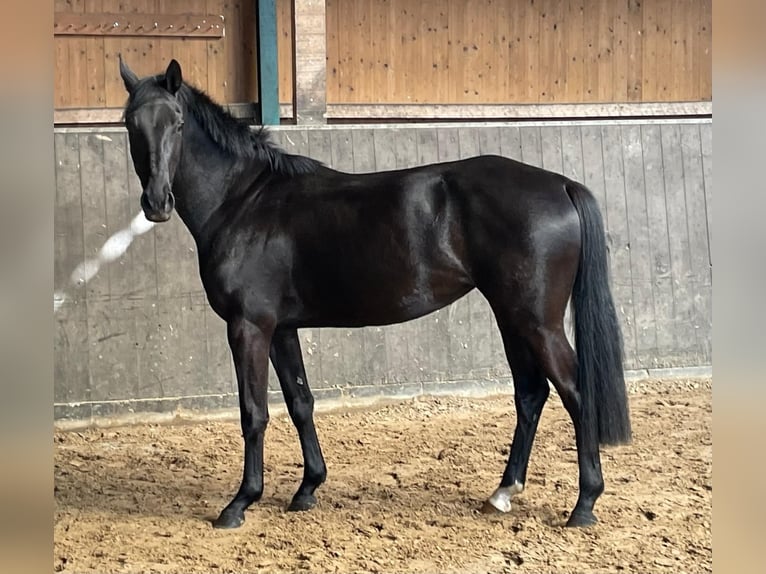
<point x="268" y="76"/>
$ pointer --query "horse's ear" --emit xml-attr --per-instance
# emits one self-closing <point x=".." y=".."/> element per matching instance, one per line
<point x="128" y="76"/>
<point x="173" y="79"/>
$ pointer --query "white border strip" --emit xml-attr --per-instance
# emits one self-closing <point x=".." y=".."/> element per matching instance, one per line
<point x="519" y="111"/>
<point x="430" y="125"/>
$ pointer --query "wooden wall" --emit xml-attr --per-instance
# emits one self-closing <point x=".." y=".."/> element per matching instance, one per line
<point x="86" y="72"/>
<point x="518" y="51"/>
<point x="140" y="335"/>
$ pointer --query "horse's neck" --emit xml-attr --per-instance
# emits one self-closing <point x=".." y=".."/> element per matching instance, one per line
<point x="201" y="180"/>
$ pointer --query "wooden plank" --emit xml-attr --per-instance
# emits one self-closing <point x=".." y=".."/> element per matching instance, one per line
<point x="215" y="84"/>
<point x="385" y="154"/>
<point x="635" y="34"/>
<point x="71" y="375"/>
<point x="532" y="33"/>
<point x="363" y="151"/>
<point x="664" y="68"/>
<point x="691" y="82"/>
<point x="498" y="79"/>
<point x="621" y="61"/>
<point x="639" y="247"/>
<point x="706" y="51"/>
<point x="94" y="59"/>
<point x="77" y="65"/>
<point x="455" y="48"/>
<point x="683" y="16"/>
<point x="706" y="143"/>
<point x="406" y="148"/>
<point x="61" y="87"/>
<point x="552" y="64"/>
<point x="510" y="142"/>
<point x="680" y="263"/>
<point x="122" y="333"/>
<point x="605" y="52"/>
<point x="180" y="312"/>
<point x="119" y="210"/>
<point x="468" y="142"/>
<point x="115" y="95"/>
<point x="489" y="141"/>
<point x="551" y="149"/>
<point x="448" y="143"/>
<point x="434" y="52"/>
<point x="332" y="47"/>
<point x="139" y="52"/>
<point x="193" y="53"/>
<point x="428" y="146"/>
<point x="531" y="146"/>
<point x="571" y="152"/>
<point x="593" y="161"/>
<point x="235" y="55"/>
<point x="285" y="50"/>
<point x="94" y="237"/>
<point x="651" y="42"/>
<point x="619" y="239"/>
<point x="93" y="209"/>
<point x="575" y="51"/>
<point x="341" y="150"/>
<point x="319" y="146"/>
<point x="142" y="305"/>
<point x="517" y="69"/>
<point x="591" y="31"/>
<point x="696" y="214"/>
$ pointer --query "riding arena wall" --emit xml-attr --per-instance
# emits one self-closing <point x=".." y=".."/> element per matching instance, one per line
<point x="135" y="337"/>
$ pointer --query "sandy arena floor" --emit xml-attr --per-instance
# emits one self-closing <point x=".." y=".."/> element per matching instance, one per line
<point x="405" y="484"/>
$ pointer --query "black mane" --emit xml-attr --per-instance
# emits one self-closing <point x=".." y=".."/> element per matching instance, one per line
<point x="230" y="134"/>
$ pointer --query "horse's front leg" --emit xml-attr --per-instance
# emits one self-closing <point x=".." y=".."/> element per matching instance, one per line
<point x="288" y="364"/>
<point x="250" y="348"/>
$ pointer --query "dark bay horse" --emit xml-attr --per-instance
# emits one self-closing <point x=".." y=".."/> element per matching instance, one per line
<point x="285" y="243"/>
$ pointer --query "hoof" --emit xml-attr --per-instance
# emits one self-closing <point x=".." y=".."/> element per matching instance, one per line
<point x="489" y="508"/>
<point x="229" y="519"/>
<point x="302" y="503"/>
<point x="581" y="520"/>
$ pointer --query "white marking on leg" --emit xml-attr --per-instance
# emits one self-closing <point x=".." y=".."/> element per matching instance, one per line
<point x="501" y="498"/>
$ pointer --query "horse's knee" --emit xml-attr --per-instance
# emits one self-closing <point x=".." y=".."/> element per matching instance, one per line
<point x="254" y="424"/>
<point x="302" y="410"/>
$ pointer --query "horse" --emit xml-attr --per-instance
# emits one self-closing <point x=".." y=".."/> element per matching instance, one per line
<point x="285" y="243"/>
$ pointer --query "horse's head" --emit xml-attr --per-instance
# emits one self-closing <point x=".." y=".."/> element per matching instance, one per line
<point x="154" y="118"/>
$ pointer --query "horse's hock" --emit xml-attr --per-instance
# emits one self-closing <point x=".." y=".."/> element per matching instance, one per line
<point x="405" y="486"/>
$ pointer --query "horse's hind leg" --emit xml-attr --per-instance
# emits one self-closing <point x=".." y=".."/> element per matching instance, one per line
<point x="530" y="394"/>
<point x="559" y="363"/>
<point x="288" y="364"/>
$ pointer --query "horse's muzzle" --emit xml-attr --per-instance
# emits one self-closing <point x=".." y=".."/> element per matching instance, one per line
<point x="158" y="211"/>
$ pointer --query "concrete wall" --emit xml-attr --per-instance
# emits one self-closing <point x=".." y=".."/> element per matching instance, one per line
<point x="140" y="337"/>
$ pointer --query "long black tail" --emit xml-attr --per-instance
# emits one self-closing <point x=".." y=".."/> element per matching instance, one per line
<point x="598" y="338"/>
